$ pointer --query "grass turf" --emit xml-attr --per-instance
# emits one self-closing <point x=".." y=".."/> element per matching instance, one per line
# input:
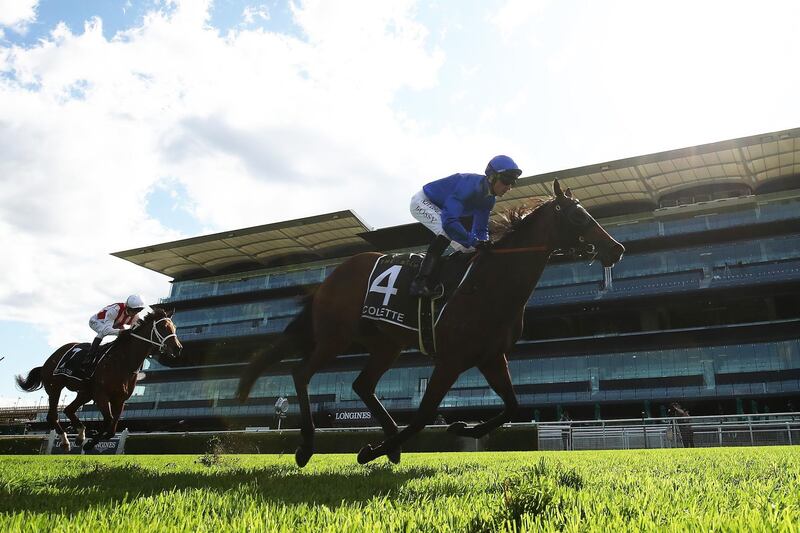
<point x="721" y="489"/>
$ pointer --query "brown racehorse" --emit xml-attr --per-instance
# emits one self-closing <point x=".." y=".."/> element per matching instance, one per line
<point x="113" y="380"/>
<point x="481" y="323"/>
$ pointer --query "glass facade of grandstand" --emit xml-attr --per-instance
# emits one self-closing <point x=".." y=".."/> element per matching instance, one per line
<point x="618" y="370"/>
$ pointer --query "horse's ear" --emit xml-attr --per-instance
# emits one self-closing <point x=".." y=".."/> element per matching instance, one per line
<point x="170" y="312"/>
<point x="557" y="188"/>
<point x="568" y="193"/>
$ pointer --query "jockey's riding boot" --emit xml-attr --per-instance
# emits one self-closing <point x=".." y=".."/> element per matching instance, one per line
<point x="88" y="361"/>
<point x="422" y="285"/>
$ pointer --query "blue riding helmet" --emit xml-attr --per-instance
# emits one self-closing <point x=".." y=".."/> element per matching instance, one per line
<point x="503" y="168"/>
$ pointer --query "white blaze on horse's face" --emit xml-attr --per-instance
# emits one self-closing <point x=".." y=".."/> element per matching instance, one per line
<point x="168" y="337"/>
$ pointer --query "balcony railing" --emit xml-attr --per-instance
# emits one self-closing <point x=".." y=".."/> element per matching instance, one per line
<point x="672" y="432"/>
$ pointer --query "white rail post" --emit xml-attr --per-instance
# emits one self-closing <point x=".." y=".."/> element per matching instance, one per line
<point x="121" y="443"/>
<point x="51" y="437"/>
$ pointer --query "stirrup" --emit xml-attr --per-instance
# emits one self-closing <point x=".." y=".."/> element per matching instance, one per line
<point x="418" y="287"/>
<point x="429" y="293"/>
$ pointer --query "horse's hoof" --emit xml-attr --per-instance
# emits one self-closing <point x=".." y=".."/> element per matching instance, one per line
<point x="91" y="443"/>
<point x="366" y="454"/>
<point x="394" y="455"/>
<point x="302" y="456"/>
<point x="459" y="428"/>
<point x="66" y="446"/>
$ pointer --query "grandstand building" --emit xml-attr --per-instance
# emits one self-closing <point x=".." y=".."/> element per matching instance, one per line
<point x="703" y="309"/>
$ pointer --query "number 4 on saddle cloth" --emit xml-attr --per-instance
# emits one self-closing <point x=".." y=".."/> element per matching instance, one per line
<point x="71" y="362"/>
<point x="388" y="300"/>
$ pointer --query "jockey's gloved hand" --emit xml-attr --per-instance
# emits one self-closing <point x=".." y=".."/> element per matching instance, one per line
<point x="483" y="245"/>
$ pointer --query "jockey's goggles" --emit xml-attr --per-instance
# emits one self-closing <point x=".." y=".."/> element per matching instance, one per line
<point x="509" y="177"/>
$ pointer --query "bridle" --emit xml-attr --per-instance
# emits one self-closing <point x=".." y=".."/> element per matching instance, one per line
<point x="575" y="219"/>
<point x="162" y="339"/>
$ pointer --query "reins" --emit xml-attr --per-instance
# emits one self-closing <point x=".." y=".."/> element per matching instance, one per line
<point x="524" y="249"/>
<point x="538" y="248"/>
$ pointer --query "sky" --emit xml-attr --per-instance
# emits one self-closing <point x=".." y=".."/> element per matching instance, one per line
<point x="125" y="124"/>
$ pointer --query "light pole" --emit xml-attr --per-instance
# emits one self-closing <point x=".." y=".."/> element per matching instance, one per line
<point x="17" y="402"/>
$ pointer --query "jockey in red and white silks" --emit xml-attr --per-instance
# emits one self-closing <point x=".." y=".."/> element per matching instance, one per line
<point x="112" y="320"/>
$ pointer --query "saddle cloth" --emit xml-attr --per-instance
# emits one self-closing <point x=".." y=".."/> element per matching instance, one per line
<point x="387" y="296"/>
<point x="70" y="363"/>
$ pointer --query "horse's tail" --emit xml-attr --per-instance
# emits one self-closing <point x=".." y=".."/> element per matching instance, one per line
<point x="297" y="338"/>
<point x="32" y="382"/>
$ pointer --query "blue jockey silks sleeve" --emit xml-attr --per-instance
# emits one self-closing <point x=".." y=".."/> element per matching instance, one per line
<point x="462" y="195"/>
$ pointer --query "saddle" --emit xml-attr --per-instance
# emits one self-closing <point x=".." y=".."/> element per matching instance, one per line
<point x="388" y="299"/>
<point x="71" y="363"/>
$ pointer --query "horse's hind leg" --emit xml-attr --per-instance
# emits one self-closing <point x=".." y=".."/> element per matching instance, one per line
<point x="52" y="414"/>
<point x="495" y="370"/>
<point x="382" y="355"/>
<point x="70" y="410"/>
<point x="323" y="352"/>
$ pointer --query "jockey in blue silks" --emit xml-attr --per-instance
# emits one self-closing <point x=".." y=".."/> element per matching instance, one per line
<point x="441" y="203"/>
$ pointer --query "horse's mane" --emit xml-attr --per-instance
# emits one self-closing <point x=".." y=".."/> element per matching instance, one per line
<point x="149" y="318"/>
<point x="510" y="219"/>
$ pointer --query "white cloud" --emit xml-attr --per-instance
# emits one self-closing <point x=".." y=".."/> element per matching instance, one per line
<point x="251" y="13"/>
<point x="516" y="16"/>
<point x="256" y="126"/>
<point x="17" y="14"/>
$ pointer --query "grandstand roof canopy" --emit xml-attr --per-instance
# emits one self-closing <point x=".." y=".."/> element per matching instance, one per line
<point x="759" y="163"/>
<point x="299" y="240"/>
<point x="639" y="183"/>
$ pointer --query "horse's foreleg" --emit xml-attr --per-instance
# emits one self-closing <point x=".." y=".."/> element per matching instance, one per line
<point x="495" y="370"/>
<point x="117" y="406"/>
<point x="381" y="358"/>
<point x="70" y="410"/>
<point x="440" y="382"/>
<point x="102" y="403"/>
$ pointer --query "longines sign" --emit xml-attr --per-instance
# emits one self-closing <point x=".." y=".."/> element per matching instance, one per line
<point x="352" y="418"/>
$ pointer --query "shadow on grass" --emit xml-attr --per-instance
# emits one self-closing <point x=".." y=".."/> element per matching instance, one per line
<point x="106" y="485"/>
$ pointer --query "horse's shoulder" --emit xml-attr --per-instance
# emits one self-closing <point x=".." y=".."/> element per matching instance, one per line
<point x="363" y="258"/>
<point x="368" y="255"/>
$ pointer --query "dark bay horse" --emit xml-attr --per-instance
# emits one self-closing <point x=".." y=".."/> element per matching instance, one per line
<point x="481" y="324"/>
<point x="113" y="380"/>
